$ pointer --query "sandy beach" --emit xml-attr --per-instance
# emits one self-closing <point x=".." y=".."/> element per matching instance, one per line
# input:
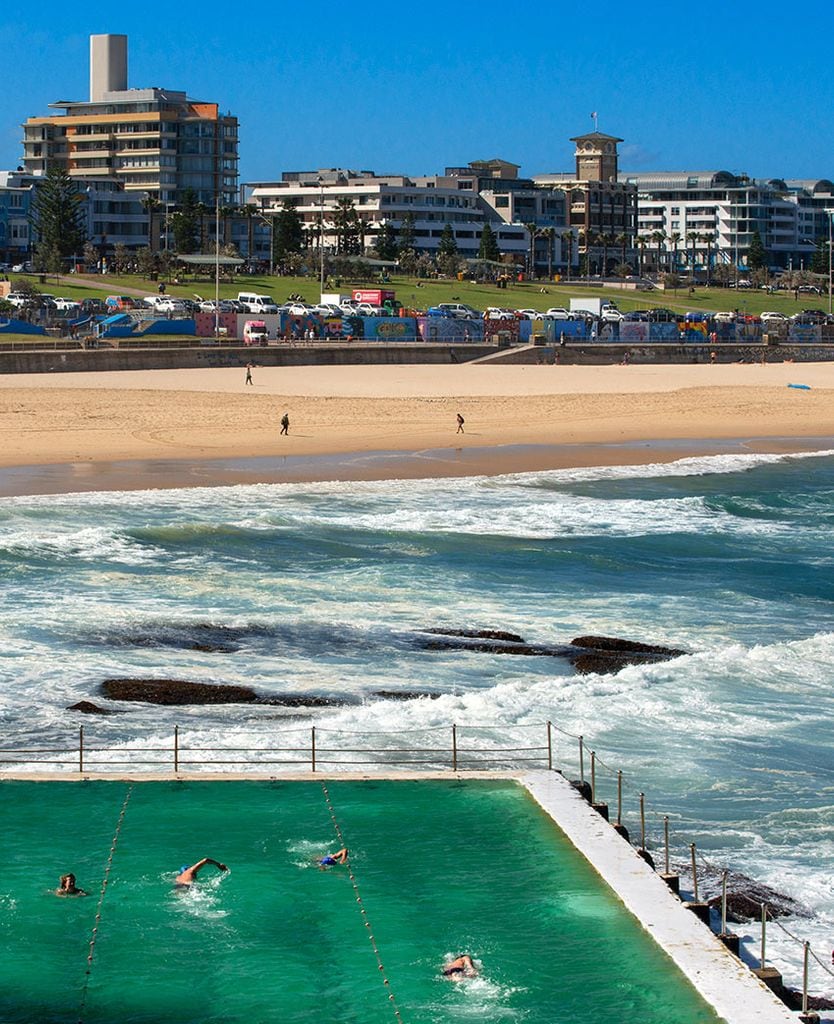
<point x="517" y="417"/>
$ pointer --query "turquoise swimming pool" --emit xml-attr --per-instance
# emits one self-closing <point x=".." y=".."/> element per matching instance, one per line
<point x="442" y="867"/>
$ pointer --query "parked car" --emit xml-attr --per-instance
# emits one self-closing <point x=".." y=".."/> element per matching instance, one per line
<point x="499" y="313"/>
<point x="299" y="308"/>
<point x="328" y="309"/>
<point x="637" y="316"/>
<point x="610" y="315"/>
<point x="19" y="299"/>
<point x="119" y="302"/>
<point x="22" y="268"/>
<point x="530" y="314"/>
<point x="459" y="310"/>
<point x="558" y="313"/>
<point x="256" y="303"/>
<point x="771" y="317"/>
<point x="66" y="305"/>
<point x="172" y="307"/>
<point x="209" y="306"/>
<point x="810" y="316"/>
<point x="369" y="309"/>
<point x="92" y="306"/>
<point x="663" y="316"/>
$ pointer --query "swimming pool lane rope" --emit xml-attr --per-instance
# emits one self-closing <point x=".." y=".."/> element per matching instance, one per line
<point x="82" y="1007"/>
<point x="361" y="906"/>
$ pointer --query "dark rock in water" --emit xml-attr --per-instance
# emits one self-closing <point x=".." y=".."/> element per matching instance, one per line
<point x="176" y="691"/>
<point x="454" y="643"/>
<point x="404" y="694"/>
<point x="304" y="700"/>
<point x="215" y="648"/>
<point x="613" y="643"/>
<point x="745" y="897"/>
<point x="86" y="707"/>
<point x="792" y="998"/>
<point x="480" y="634"/>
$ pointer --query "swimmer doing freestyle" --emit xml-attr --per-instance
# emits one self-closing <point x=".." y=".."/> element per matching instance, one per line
<point x="188" y="876"/>
<point x="329" y="859"/>
<point x="459" y="968"/>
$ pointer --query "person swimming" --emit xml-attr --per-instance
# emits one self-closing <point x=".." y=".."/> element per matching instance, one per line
<point x="188" y="875"/>
<point x="461" y="967"/>
<point x="67" y="887"/>
<point x="329" y="859"/>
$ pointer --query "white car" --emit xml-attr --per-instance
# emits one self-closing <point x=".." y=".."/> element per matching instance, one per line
<point x="368" y="309"/>
<point x="773" y="317"/>
<point x="224" y="306"/>
<point x="558" y="313"/>
<point x="611" y="315"/>
<point x="530" y="314"/>
<point x="499" y="313"/>
<point x="18" y="298"/>
<point x="298" y="308"/>
<point x="327" y="309"/>
<point x="66" y="305"/>
<point x="171" y="306"/>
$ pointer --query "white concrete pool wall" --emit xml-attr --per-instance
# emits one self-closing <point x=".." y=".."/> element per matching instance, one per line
<point x="724" y="982"/>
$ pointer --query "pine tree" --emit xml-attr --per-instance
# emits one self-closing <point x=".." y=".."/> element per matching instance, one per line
<point x="819" y="261"/>
<point x="288" y="231"/>
<point x="385" y="245"/>
<point x="489" y="245"/>
<point x="348" y="227"/>
<point x="756" y="254"/>
<point x="58" y="219"/>
<point x="405" y="235"/>
<point x="186" y="223"/>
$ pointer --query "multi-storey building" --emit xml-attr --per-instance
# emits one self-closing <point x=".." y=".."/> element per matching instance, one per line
<point x="600" y="206"/>
<point x="687" y="218"/>
<point x="155" y="141"/>
<point x="15" y="230"/>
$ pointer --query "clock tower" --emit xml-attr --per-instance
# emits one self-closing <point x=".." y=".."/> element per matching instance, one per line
<point x="596" y="157"/>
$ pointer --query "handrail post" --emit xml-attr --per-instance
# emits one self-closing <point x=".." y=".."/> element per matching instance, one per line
<point x="694" y="873"/>
<point x="642" y="821"/>
<point x="807" y="945"/>
<point x="313" y="748"/>
<point x="81" y="748"/>
<point x="454" y="747"/>
<point x="582" y="760"/>
<point x="176" y="749"/>
<point x="724" y="902"/>
<point x="619" y="797"/>
<point x="549" y="746"/>
<point x="764" y="933"/>
<point x="593" y="776"/>
<point x="666" y="840"/>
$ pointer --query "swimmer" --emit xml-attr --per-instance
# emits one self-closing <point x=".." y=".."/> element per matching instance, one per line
<point x="188" y="876"/>
<point x="329" y="859"/>
<point x="459" y="968"/>
<point x="67" y="887"/>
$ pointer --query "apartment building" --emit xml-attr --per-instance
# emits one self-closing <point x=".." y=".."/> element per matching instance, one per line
<point x="157" y="142"/>
<point x="688" y="217"/>
<point x="15" y="230"/>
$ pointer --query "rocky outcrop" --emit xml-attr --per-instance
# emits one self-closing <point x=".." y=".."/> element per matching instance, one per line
<point x="176" y="691"/>
<point x="745" y="897"/>
<point x="86" y="707"/>
<point x="616" y="645"/>
<point x="404" y="694"/>
<point x="480" y="634"/>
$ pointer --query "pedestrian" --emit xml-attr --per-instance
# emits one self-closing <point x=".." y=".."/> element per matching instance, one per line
<point x="461" y="421"/>
<point x="452" y="356"/>
<point x="713" y="356"/>
<point x="285" y="423"/>
<point x="248" y="374"/>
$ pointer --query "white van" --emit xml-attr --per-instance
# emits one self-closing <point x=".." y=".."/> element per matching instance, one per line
<point x="257" y="303"/>
<point x="255" y="333"/>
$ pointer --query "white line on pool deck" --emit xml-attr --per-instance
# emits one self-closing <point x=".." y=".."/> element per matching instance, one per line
<point x="734" y="992"/>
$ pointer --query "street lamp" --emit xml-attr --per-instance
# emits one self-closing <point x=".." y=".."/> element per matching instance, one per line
<point x="830" y="220"/>
<point x="321" y="238"/>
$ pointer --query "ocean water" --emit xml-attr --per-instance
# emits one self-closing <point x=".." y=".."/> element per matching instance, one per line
<point x="323" y="590"/>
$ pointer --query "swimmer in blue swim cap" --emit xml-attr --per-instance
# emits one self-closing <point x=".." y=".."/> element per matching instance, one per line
<point x="188" y="876"/>
<point x="329" y="859"/>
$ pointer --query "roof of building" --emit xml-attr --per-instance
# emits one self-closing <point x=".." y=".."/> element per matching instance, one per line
<point x="681" y="179"/>
<point x="596" y="137"/>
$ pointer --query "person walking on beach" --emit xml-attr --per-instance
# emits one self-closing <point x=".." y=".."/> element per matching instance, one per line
<point x="249" y="374"/>
<point x="285" y="423"/>
<point x="188" y="876"/>
<point x="461" y="421"/>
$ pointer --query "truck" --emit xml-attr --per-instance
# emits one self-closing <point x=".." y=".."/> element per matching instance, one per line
<point x="597" y="307"/>
<point x="255" y="332"/>
<point x="383" y="297"/>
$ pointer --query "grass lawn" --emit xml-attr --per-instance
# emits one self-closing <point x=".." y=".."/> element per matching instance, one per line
<point x="524" y="295"/>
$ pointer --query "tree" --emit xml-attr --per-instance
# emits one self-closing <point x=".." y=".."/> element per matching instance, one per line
<point x="147" y="261"/>
<point x="385" y="244"/>
<point x="448" y="258"/>
<point x="187" y="223"/>
<point x="693" y="238"/>
<point x="532" y="232"/>
<point x="709" y="239"/>
<point x="90" y="255"/>
<point x="405" y="235"/>
<point x="549" y="234"/>
<point x="151" y="206"/>
<point x="57" y="219"/>
<point x="675" y="240"/>
<point x="642" y="242"/>
<point x="819" y="261"/>
<point x="287" y="231"/>
<point x="659" y="237"/>
<point x="756" y="254"/>
<point x="121" y="258"/>
<point x="567" y="244"/>
<point x="346" y="222"/>
<point x="488" y="249"/>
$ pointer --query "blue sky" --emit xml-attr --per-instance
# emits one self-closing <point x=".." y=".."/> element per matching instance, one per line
<point x="416" y="87"/>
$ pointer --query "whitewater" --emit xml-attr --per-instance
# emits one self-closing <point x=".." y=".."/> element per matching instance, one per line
<point x="322" y="591"/>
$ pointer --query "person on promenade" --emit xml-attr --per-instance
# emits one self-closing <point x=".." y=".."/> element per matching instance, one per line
<point x="461" y="421"/>
<point x="249" y="374"/>
<point x="67" y="887"/>
<point x="285" y="423"/>
<point x="188" y="876"/>
<point x="330" y="859"/>
<point x="459" y="968"/>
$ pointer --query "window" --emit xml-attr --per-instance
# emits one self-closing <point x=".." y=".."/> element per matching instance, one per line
<point x="502" y="202"/>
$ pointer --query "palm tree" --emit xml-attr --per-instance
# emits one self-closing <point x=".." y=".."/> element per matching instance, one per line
<point x="549" y="233"/>
<point x="202" y="212"/>
<point x="675" y="239"/>
<point x="532" y="231"/>
<point x="693" y="238"/>
<point x="659" y="237"/>
<point x="151" y="205"/>
<point x="249" y="211"/>
<point x="709" y="238"/>
<point x="567" y="242"/>
<point x="642" y="241"/>
<point x="622" y="241"/>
